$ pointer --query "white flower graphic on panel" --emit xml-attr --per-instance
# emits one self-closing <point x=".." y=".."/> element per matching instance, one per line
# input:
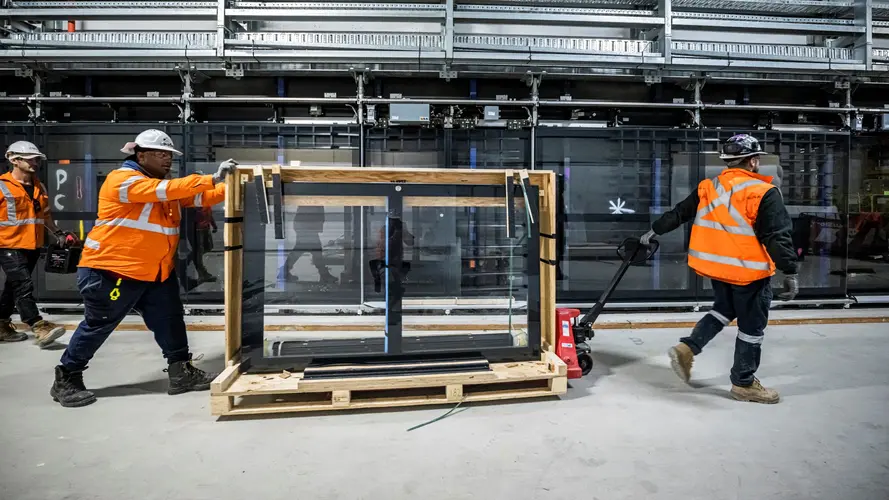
<point x="618" y="208"/>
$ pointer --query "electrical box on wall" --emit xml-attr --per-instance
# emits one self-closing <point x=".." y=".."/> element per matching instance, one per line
<point x="492" y="112"/>
<point x="408" y="114"/>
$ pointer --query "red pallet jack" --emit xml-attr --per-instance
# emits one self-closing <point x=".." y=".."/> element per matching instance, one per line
<point x="572" y="333"/>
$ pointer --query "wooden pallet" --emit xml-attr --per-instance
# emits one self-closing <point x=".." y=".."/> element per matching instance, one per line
<point x="233" y="393"/>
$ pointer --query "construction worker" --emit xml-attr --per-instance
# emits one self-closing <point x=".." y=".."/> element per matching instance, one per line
<point x="128" y="263"/>
<point x="24" y="216"/>
<point x="741" y="234"/>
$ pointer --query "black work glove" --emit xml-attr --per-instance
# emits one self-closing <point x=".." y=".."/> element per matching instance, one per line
<point x="791" y="287"/>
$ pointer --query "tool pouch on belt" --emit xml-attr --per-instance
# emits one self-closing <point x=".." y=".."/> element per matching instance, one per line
<point x="62" y="260"/>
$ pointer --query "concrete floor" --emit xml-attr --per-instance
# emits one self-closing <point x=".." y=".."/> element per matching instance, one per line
<point x="629" y="430"/>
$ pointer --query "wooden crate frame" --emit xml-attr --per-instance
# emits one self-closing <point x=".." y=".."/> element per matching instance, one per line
<point x="236" y="393"/>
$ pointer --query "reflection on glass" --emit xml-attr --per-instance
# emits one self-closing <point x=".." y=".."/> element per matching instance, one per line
<point x="462" y="260"/>
<point x="429" y="265"/>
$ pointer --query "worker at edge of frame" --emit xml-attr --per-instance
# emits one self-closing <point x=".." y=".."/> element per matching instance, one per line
<point x="740" y="235"/>
<point x="24" y="216"/>
<point x="128" y="264"/>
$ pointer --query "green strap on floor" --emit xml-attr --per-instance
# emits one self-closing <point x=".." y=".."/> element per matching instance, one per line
<point x="441" y="417"/>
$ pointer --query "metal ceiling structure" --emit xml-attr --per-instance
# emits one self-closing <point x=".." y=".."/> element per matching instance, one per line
<point x="574" y="38"/>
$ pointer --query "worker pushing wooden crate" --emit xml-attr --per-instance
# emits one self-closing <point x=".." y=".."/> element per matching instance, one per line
<point x="236" y="392"/>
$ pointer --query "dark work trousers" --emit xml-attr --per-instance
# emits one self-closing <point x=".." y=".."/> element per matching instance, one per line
<point x="18" y="291"/>
<point x="307" y="242"/>
<point x="750" y="305"/>
<point x="106" y="302"/>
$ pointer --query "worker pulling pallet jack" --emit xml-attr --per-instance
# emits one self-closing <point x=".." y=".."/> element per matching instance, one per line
<point x="741" y="234"/>
<point x="128" y="264"/>
<point x="24" y="216"/>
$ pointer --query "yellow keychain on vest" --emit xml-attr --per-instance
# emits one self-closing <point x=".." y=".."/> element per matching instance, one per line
<point x="115" y="292"/>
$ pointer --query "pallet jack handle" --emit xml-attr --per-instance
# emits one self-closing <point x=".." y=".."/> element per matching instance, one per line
<point x="631" y="251"/>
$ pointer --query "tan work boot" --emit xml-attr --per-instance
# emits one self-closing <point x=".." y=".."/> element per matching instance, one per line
<point x="46" y="333"/>
<point x="8" y="333"/>
<point x="681" y="359"/>
<point x="755" y="393"/>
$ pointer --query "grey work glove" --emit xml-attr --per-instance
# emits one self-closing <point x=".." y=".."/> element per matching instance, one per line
<point x="225" y="168"/>
<point x="647" y="237"/>
<point x="791" y="287"/>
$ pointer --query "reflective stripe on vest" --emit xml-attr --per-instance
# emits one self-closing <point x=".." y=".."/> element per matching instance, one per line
<point x="123" y="192"/>
<point x="11" y="214"/>
<point x="141" y="223"/>
<point x="723" y="198"/>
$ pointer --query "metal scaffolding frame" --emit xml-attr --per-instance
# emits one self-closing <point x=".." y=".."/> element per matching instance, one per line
<point x="452" y="37"/>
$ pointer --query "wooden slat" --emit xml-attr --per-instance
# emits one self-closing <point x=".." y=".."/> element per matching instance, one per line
<point x="548" y="253"/>
<point x="256" y="384"/>
<point x="233" y="262"/>
<point x="363" y="175"/>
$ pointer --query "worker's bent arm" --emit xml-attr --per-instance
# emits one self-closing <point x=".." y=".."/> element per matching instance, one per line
<point x="138" y="189"/>
<point x="774" y="229"/>
<point x="683" y="212"/>
<point x="207" y="198"/>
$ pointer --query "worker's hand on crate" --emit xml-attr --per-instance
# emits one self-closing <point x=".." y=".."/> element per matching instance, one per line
<point x="791" y="287"/>
<point x="225" y="168"/>
<point x="647" y="237"/>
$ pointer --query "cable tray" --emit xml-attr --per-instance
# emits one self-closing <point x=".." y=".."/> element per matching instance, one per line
<point x="598" y="45"/>
<point x="334" y="7"/>
<point x="87" y="4"/>
<point x="762" y="51"/>
<point x="405" y="41"/>
<point x="552" y="10"/>
<point x="117" y="39"/>
<point x="719" y="16"/>
<point x="805" y="7"/>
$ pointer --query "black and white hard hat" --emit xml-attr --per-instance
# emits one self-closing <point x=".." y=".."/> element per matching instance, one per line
<point x="740" y="146"/>
<point x="23" y="149"/>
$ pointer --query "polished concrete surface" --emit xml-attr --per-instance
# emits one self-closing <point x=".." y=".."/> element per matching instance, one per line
<point x="629" y="430"/>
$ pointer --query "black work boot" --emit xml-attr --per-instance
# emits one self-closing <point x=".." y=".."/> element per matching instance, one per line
<point x="184" y="377"/>
<point x="68" y="389"/>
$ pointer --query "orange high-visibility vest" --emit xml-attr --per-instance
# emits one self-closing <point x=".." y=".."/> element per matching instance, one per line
<point x="21" y="218"/>
<point x="723" y="244"/>
<point x="137" y="231"/>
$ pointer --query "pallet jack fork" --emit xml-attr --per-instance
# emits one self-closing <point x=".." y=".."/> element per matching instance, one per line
<point x="572" y="333"/>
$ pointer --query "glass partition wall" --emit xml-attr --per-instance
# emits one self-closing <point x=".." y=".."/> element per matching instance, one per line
<point x="478" y="243"/>
<point x="615" y="182"/>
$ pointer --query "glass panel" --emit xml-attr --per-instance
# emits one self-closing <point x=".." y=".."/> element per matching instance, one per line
<point x="417" y="239"/>
<point x="490" y="148"/>
<point x="616" y="183"/>
<point x="461" y="260"/>
<point x="868" y="265"/>
<point x="312" y="267"/>
<point x="78" y="160"/>
<point x="416" y="147"/>
<point x="316" y="145"/>
<point x="810" y="169"/>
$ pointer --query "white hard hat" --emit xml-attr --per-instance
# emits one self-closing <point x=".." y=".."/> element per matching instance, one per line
<point x="151" y="139"/>
<point x="23" y="149"/>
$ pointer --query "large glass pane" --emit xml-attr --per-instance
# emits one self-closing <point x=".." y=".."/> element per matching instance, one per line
<point x="463" y="258"/>
<point x="615" y="184"/>
<point x="421" y="239"/>
<point x="79" y="158"/>
<point x="868" y="266"/>
<point x="408" y="146"/>
<point x="810" y="168"/>
<point x="490" y="148"/>
<point x="289" y="145"/>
